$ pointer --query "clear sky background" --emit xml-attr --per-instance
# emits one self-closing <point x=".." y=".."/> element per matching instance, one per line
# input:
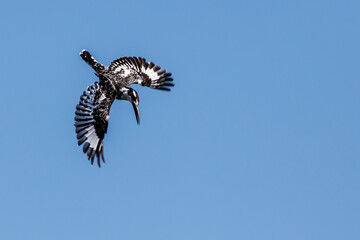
<point x="259" y="139"/>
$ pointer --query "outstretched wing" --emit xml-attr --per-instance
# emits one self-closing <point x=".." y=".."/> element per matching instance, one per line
<point x="149" y="74"/>
<point x="91" y="121"/>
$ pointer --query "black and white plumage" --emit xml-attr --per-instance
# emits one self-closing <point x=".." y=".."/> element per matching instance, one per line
<point x="93" y="109"/>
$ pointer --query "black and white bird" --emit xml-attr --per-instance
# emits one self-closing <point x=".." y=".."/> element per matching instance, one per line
<point x="92" y="112"/>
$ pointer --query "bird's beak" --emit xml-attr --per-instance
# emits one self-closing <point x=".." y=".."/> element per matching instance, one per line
<point x="136" y="110"/>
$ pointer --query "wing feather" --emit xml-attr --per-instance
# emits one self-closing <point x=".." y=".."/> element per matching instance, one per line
<point x="91" y="121"/>
<point x="149" y="73"/>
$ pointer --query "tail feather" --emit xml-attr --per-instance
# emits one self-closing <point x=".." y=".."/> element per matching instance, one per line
<point x="86" y="56"/>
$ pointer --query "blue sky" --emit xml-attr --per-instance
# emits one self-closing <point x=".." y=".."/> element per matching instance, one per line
<point x="259" y="139"/>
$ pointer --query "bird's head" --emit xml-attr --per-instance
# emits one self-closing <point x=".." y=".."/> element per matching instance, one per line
<point x="131" y="95"/>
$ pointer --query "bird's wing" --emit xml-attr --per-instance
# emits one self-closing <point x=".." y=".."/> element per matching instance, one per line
<point x="148" y="73"/>
<point x="91" y="121"/>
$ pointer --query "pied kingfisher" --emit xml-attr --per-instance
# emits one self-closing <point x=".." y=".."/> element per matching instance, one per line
<point x="92" y="112"/>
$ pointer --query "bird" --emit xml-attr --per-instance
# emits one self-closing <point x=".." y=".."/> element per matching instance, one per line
<point x="92" y="111"/>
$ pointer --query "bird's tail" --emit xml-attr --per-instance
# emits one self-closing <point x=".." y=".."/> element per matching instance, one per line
<point x="86" y="56"/>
